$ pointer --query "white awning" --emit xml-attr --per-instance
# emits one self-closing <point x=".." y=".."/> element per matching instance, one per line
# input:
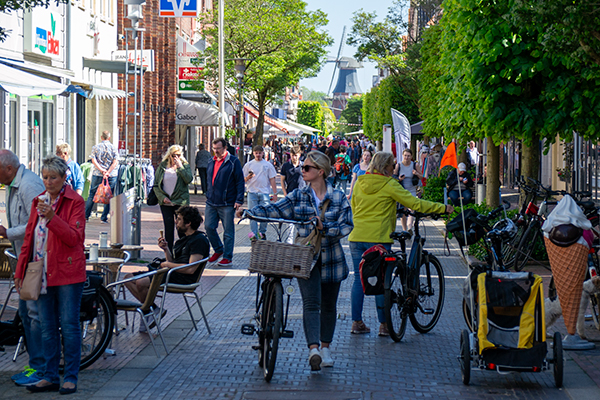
<point x="195" y="113"/>
<point x="21" y="83"/>
<point x="302" y="128"/>
<point x="103" y="92"/>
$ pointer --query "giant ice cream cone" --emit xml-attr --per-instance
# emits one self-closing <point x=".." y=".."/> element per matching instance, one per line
<point x="568" y="268"/>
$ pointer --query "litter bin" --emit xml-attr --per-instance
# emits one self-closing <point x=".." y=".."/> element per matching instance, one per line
<point x="125" y="214"/>
<point x="480" y="193"/>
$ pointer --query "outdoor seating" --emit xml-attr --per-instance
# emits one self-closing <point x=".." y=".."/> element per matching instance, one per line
<point x="146" y="309"/>
<point x="186" y="291"/>
<point x="8" y="267"/>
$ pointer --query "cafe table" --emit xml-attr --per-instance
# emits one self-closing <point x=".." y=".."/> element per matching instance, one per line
<point x="109" y="265"/>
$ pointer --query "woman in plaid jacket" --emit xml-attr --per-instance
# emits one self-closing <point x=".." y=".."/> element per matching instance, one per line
<point x="320" y="291"/>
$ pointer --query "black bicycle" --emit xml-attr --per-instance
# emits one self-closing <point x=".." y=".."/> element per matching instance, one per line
<point x="274" y="262"/>
<point x="413" y="289"/>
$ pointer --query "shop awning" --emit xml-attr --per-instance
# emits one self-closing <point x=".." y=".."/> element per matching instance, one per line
<point x="103" y="92"/>
<point x="21" y="83"/>
<point x="112" y="66"/>
<point x="302" y="128"/>
<point x="268" y="120"/>
<point x="195" y="113"/>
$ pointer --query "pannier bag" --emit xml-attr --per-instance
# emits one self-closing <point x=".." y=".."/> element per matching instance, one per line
<point x="89" y="298"/>
<point x="372" y="271"/>
<point x="474" y="231"/>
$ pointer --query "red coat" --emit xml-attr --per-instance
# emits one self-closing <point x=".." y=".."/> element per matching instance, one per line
<point x="64" y="245"/>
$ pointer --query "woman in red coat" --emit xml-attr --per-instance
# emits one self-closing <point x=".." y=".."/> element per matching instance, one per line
<point x="55" y="233"/>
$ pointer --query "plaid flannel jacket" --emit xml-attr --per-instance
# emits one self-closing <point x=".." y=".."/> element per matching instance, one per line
<point x="299" y="205"/>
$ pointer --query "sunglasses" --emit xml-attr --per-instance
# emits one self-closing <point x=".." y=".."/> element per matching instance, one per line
<point x="176" y="155"/>
<point x="306" y="168"/>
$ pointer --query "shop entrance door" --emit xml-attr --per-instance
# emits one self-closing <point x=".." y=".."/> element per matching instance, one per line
<point x="40" y="124"/>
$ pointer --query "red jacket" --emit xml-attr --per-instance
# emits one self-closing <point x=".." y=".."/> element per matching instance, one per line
<point x="65" y="258"/>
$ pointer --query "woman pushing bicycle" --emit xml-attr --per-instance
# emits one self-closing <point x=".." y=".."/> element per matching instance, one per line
<point x="320" y="291"/>
<point x="374" y="212"/>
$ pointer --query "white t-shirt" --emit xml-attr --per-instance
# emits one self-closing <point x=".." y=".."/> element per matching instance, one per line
<point x="263" y="172"/>
<point x="169" y="181"/>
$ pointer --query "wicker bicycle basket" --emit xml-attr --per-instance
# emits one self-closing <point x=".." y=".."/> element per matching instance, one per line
<point x="281" y="259"/>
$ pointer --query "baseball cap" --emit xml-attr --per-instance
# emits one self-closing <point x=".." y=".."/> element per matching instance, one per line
<point x="462" y="167"/>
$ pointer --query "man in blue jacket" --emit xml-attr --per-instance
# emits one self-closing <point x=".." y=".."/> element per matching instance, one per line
<point x="225" y="195"/>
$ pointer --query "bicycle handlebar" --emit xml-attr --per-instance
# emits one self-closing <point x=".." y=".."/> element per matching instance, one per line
<point x="420" y="215"/>
<point x="248" y="215"/>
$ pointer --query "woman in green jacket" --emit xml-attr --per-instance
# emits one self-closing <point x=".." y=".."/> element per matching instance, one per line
<point x="173" y="176"/>
<point x="374" y="212"/>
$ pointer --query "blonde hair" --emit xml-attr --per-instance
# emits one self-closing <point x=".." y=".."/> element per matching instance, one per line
<point x="63" y="148"/>
<point x="379" y="162"/>
<point x="171" y="150"/>
<point x="321" y="161"/>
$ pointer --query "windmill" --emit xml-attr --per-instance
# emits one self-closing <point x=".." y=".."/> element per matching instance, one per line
<point x="347" y="80"/>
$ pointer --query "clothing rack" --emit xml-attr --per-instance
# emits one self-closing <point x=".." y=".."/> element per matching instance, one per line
<point x="129" y="159"/>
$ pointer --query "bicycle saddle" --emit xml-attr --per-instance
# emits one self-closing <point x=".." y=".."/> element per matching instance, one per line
<point x="587" y="205"/>
<point x="400" y="236"/>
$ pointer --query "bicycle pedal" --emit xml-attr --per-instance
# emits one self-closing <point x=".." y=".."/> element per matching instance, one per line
<point x="286" y="333"/>
<point x="428" y="311"/>
<point x="256" y="347"/>
<point x="248" y="329"/>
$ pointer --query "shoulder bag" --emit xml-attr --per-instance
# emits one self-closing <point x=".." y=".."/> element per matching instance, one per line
<point x="314" y="238"/>
<point x="152" y="200"/>
<point x="32" y="282"/>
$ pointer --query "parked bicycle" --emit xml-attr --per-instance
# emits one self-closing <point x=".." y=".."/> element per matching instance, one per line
<point x="275" y="262"/>
<point x="413" y="289"/>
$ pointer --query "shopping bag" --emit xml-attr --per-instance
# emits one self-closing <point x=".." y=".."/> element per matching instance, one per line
<point x="103" y="194"/>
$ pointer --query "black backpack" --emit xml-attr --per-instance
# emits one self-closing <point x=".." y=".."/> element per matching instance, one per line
<point x="474" y="230"/>
<point x="372" y="271"/>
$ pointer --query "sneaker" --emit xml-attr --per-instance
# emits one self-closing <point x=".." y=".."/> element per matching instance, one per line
<point x="327" y="361"/>
<point x="104" y="222"/>
<point x="215" y="257"/>
<point x="151" y="323"/>
<point x="22" y="373"/>
<point x="224" y="262"/>
<point x="359" y="327"/>
<point x="262" y="236"/>
<point x="383" y="330"/>
<point x="31" y="378"/>
<point x="314" y="359"/>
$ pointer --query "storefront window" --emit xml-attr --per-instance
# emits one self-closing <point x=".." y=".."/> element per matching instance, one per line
<point x="40" y="122"/>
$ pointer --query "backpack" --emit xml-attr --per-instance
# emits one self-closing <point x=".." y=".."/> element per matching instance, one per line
<point x="474" y="231"/>
<point x="341" y="166"/>
<point x="372" y="271"/>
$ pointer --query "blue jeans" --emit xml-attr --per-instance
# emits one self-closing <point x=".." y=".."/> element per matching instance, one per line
<point x="466" y="194"/>
<point x="28" y="311"/>
<point x="59" y="307"/>
<point x="256" y="199"/>
<point x="357" y="295"/>
<point x="225" y="214"/>
<point x="96" y="181"/>
<point x="319" y="302"/>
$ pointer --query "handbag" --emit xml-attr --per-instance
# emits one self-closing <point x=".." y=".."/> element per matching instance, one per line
<point x="103" y="193"/>
<point x="152" y="200"/>
<point x="32" y="282"/>
<point x="314" y="238"/>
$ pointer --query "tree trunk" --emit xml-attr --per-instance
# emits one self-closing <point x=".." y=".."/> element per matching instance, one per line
<point x="257" y="140"/>
<point x="530" y="162"/>
<point x="492" y="190"/>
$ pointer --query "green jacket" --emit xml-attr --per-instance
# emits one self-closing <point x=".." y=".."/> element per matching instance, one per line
<point x="181" y="194"/>
<point x="374" y="207"/>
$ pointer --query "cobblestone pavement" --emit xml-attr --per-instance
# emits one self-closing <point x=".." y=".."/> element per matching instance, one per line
<point x="223" y="364"/>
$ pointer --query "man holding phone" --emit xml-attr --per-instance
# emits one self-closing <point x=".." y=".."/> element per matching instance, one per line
<point x="259" y="176"/>
<point x="466" y="184"/>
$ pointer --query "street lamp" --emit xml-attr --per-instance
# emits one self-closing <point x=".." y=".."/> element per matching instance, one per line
<point x="240" y="69"/>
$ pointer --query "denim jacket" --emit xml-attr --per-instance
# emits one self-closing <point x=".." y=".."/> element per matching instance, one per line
<point x="228" y="187"/>
<point x="300" y="205"/>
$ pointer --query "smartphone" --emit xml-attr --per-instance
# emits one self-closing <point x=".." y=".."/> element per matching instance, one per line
<point x="402" y="176"/>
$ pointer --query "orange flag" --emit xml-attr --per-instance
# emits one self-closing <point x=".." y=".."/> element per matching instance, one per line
<point x="449" y="156"/>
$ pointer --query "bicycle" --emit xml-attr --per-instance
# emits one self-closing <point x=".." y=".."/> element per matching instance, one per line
<point x="415" y="289"/>
<point x="274" y="262"/>
<point x="97" y="319"/>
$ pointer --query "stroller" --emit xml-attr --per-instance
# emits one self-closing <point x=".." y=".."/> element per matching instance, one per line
<point x="505" y="312"/>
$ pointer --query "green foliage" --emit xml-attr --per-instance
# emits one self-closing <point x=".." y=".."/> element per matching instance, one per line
<point x="377" y="105"/>
<point x="352" y="114"/>
<point x="6" y="6"/>
<point x="313" y="95"/>
<point x="310" y="113"/>
<point x="434" y="190"/>
<point x="280" y="41"/>
<point x="329" y="123"/>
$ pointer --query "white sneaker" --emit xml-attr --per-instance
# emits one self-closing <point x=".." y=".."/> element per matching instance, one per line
<point x="327" y="361"/>
<point x="314" y="359"/>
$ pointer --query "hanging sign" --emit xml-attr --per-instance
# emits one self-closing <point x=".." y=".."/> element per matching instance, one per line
<point x="178" y="8"/>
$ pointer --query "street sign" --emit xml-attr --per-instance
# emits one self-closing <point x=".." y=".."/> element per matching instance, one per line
<point x="178" y="8"/>
<point x="187" y="86"/>
<point x="189" y="73"/>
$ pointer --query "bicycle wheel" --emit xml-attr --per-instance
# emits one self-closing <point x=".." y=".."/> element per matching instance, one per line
<point x="467" y="315"/>
<point x="526" y="245"/>
<point x="395" y="315"/>
<point x="96" y="333"/>
<point x="430" y="300"/>
<point x="272" y="320"/>
<point x="509" y="249"/>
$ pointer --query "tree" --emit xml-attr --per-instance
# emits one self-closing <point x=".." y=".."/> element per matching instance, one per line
<point x="280" y="41"/>
<point x="7" y="6"/>
<point x="352" y="114"/>
<point x="486" y="73"/>
<point x="313" y="95"/>
<point x="310" y="113"/>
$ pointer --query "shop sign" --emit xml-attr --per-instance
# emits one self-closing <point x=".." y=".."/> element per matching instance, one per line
<point x="189" y="73"/>
<point x="178" y="8"/>
<point x="145" y="58"/>
<point x="190" y="86"/>
<point x="43" y="28"/>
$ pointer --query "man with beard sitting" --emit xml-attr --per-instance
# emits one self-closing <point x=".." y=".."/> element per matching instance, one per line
<point x="192" y="246"/>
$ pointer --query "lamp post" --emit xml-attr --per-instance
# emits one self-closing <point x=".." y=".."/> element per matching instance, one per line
<point x="240" y="69"/>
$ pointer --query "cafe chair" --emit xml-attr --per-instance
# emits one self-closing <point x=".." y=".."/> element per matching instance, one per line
<point x="188" y="291"/>
<point x="8" y="266"/>
<point x="146" y="309"/>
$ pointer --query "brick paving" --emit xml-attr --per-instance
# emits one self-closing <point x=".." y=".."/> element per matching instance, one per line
<point x="223" y="365"/>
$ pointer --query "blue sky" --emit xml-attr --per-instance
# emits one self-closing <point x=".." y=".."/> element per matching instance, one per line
<point x="339" y="13"/>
